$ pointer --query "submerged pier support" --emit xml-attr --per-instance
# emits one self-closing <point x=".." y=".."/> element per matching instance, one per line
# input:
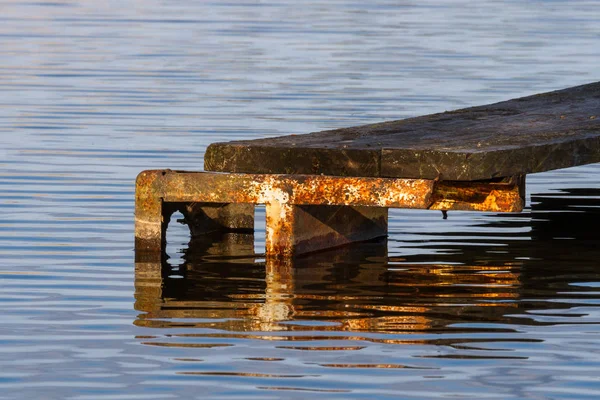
<point x="304" y="213"/>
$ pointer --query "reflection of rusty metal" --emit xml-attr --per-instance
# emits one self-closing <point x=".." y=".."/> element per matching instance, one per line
<point x="304" y="213"/>
<point x="376" y="302"/>
<point x="225" y="287"/>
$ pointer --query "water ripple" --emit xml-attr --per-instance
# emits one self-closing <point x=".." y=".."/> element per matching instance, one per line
<point x="479" y="305"/>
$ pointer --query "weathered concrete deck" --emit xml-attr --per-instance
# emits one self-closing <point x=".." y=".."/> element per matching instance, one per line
<point x="532" y="134"/>
<point x="331" y="188"/>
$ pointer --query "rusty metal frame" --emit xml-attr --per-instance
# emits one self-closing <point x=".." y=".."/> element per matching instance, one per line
<point x="304" y="213"/>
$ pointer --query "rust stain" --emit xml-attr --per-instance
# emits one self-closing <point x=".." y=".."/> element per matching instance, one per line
<point x="477" y="196"/>
<point x="148" y="218"/>
<point x="376" y="192"/>
<point x="145" y="195"/>
<point x="280" y="235"/>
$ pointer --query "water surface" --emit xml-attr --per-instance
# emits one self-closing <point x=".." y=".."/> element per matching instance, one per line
<point x="476" y="306"/>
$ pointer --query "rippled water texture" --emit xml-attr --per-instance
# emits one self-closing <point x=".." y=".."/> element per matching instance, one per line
<point x="476" y="306"/>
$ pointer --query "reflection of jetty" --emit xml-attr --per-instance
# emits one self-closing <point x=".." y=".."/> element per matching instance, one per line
<point x="222" y="286"/>
<point x="248" y="296"/>
<point x="331" y="188"/>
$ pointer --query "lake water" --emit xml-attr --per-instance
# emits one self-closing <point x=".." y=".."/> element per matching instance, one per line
<point x="476" y="306"/>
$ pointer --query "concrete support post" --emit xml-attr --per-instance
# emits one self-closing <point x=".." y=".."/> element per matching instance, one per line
<point x="149" y="229"/>
<point x="299" y="229"/>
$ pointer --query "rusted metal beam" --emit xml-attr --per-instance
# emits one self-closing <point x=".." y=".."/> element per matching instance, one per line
<point x="304" y="212"/>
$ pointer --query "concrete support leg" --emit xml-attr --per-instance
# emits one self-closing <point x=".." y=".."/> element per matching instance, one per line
<point x="299" y="229"/>
<point x="149" y="227"/>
